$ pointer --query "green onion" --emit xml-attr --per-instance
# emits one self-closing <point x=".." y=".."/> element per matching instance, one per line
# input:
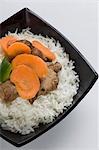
<point x="5" y="70"/>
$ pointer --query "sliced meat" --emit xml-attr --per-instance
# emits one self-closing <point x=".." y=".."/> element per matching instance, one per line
<point x="35" y="51"/>
<point x="8" y="91"/>
<point x="49" y="83"/>
<point x="55" y="67"/>
<point x="26" y="42"/>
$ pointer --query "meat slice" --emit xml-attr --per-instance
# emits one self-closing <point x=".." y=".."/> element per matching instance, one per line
<point x="35" y="51"/>
<point x="49" y="83"/>
<point x="8" y="91"/>
<point x="26" y="42"/>
<point x="55" y="67"/>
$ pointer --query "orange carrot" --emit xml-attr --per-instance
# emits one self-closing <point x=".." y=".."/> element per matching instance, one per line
<point x="18" y="48"/>
<point x="26" y="81"/>
<point x="6" y="41"/>
<point x="46" y="51"/>
<point x="35" y="62"/>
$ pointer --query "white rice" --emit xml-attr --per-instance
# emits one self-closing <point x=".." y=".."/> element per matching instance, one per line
<point x="20" y="116"/>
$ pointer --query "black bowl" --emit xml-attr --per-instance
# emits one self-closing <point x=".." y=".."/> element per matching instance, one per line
<point x="26" y="18"/>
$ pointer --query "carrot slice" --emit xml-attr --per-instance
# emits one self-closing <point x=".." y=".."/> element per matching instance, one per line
<point x="18" y="48"/>
<point x="25" y="94"/>
<point x="7" y="41"/>
<point x="35" y="62"/>
<point x="26" y="81"/>
<point x="46" y="51"/>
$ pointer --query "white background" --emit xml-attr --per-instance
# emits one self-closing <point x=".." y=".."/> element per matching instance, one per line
<point x="77" y="20"/>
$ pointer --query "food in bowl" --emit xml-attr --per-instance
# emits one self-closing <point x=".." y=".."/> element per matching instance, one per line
<point x="37" y="81"/>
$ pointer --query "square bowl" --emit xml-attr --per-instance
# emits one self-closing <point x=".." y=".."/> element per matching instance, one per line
<point x="26" y="18"/>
